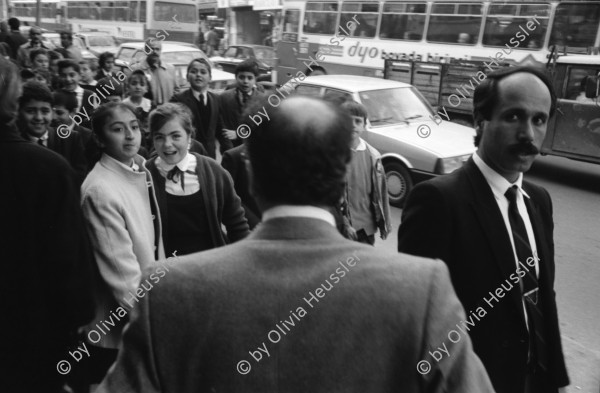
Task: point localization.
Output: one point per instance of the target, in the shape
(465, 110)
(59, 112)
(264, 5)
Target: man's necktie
(529, 283)
(42, 142)
(175, 173)
(201, 99)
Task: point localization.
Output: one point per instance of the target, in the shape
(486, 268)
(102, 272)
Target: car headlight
(450, 164)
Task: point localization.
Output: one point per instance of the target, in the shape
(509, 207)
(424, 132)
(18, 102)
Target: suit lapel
(486, 209)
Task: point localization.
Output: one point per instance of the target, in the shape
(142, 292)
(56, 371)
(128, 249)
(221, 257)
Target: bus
(126, 20)
(357, 36)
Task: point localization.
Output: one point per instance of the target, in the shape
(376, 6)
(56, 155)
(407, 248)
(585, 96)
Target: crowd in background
(143, 181)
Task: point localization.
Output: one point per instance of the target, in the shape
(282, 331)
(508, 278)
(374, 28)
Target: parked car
(235, 54)
(400, 126)
(177, 55)
(99, 42)
(54, 39)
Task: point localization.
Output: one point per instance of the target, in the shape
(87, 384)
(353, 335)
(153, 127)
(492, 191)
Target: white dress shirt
(186, 165)
(499, 185)
(197, 96)
(43, 138)
(298, 211)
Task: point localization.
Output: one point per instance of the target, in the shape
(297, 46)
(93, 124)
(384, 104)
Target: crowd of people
(135, 182)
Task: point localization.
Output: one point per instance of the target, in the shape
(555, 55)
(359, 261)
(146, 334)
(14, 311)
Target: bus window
(291, 26)
(121, 11)
(133, 11)
(455, 23)
(362, 15)
(143, 11)
(320, 18)
(165, 12)
(576, 83)
(504, 21)
(403, 21)
(575, 25)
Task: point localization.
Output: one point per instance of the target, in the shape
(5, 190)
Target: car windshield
(264, 54)
(392, 106)
(183, 57)
(101, 41)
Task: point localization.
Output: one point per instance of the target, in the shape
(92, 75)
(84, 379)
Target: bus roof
(579, 59)
(353, 83)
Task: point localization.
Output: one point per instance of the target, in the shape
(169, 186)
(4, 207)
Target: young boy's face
(358, 126)
(108, 64)
(246, 81)
(137, 87)
(41, 61)
(40, 78)
(69, 78)
(61, 115)
(86, 73)
(36, 117)
(198, 76)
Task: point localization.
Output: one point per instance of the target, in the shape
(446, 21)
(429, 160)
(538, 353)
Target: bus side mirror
(592, 87)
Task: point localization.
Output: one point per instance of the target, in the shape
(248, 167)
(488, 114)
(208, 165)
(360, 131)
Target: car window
(138, 56)
(392, 106)
(313, 91)
(230, 52)
(101, 41)
(338, 94)
(263, 54)
(125, 54)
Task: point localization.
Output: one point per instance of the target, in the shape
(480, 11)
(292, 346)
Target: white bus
(357, 36)
(133, 20)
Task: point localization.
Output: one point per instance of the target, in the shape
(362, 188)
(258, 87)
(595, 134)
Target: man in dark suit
(35, 116)
(203, 104)
(295, 307)
(495, 233)
(45, 293)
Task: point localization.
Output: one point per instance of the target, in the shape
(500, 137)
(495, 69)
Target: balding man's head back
(300, 155)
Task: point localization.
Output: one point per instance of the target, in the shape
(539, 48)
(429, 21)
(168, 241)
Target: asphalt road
(575, 190)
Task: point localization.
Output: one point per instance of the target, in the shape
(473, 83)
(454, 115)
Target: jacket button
(153, 217)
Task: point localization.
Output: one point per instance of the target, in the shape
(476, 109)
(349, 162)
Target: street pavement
(575, 191)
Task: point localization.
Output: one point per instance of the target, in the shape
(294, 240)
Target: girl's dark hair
(9, 90)
(104, 112)
(103, 57)
(167, 112)
(36, 52)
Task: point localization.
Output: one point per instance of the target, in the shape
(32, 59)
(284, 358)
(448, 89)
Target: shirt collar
(197, 95)
(361, 145)
(298, 211)
(497, 182)
(135, 167)
(35, 138)
(183, 165)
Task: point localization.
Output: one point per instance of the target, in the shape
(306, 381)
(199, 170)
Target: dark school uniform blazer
(71, 148)
(456, 218)
(231, 113)
(222, 204)
(328, 315)
(206, 136)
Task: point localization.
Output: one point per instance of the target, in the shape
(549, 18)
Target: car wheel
(399, 183)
